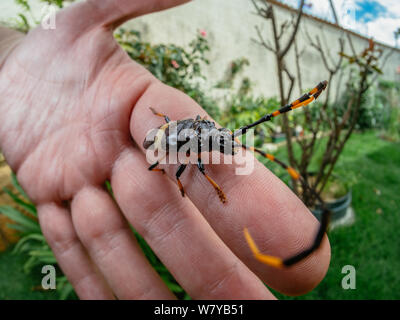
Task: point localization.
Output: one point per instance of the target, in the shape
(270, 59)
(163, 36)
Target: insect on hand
(200, 135)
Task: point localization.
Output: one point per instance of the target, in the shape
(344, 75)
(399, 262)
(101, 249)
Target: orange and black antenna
(301, 102)
(270, 260)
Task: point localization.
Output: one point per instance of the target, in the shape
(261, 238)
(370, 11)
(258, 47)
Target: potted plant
(337, 196)
(332, 117)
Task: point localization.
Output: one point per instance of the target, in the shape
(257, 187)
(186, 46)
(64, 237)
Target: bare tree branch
(334, 12)
(262, 42)
(294, 33)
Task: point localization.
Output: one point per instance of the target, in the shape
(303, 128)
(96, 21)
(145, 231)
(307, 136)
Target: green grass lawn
(371, 245)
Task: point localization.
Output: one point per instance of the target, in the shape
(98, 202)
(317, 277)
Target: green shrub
(376, 107)
(32, 242)
(173, 65)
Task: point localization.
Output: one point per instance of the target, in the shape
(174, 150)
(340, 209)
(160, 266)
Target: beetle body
(191, 136)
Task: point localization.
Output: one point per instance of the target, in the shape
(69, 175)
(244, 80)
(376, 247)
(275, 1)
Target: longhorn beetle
(180, 133)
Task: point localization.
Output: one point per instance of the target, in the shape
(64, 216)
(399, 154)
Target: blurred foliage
(372, 107)
(170, 63)
(173, 65)
(367, 61)
(26, 20)
(391, 117)
(234, 69)
(364, 68)
(379, 106)
(32, 242)
(242, 110)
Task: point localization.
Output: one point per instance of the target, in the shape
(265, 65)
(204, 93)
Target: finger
(280, 224)
(179, 235)
(56, 224)
(111, 244)
(112, 13)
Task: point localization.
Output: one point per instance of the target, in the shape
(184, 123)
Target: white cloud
(380, 27)
(383, 29)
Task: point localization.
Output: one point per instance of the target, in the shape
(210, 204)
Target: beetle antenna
(304, 100)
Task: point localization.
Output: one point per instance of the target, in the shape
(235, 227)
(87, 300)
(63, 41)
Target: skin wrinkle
(105, 242)
(31, 147)
(51, 216)
(81, 26)
(92, 235)
(17, 40)
(99, 66)
(120, 147)
(147, 293)
(139, 78)
(173, 229)
(51, 230)
(61, 242)
(157, 213)
(122, 14)
(43, 144)
(116, 111)
(220, 281)
(86, 277)
(17, 142)
(36, 79)
(98, 169)
(109, 240)
(81, 282)
(90, 115)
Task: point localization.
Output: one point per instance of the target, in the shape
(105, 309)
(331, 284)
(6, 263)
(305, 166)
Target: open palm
(74, 112)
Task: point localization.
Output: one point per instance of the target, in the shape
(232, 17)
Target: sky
(378, 19)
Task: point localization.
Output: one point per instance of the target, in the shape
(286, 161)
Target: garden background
(212, 51)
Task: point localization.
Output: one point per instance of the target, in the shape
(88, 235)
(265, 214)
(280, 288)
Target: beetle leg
(166, 118)
(153, 167)
(293, 173)
(181, 168)
(217, 188)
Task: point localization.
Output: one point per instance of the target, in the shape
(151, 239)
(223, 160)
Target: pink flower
(203, 33)
(398, 70)
(175, 64)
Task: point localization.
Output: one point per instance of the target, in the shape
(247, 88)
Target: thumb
(112, 13)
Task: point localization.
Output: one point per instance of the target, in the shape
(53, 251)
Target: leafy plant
(175, 66)
(32, 242)
(242, 110)
(26, 19)
(390, 95)
(234, 69)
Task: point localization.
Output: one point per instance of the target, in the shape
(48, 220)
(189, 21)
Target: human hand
(71, 103)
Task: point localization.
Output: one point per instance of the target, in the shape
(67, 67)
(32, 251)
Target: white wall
(230, 27)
